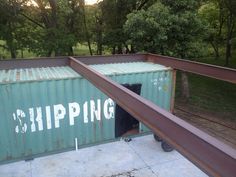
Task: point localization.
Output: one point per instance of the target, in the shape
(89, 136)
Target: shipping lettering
(54, 115)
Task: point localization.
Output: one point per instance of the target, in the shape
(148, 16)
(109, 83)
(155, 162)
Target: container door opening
(126, 124)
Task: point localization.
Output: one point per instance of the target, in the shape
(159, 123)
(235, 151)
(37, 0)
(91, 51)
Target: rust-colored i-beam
(209, 154)
(217, 72)
(213, 71)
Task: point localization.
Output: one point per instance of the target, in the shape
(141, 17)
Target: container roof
(65, 72)
(37, 74)
(128, 68)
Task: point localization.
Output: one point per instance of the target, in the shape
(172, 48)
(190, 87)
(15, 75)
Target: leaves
(161, 30)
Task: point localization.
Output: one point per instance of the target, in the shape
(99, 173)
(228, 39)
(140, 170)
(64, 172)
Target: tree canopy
(184, 28)
(167, 28)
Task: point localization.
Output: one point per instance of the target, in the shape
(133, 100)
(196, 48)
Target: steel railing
(209, 154)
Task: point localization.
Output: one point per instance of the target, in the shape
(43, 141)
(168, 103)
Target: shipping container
(54, 109)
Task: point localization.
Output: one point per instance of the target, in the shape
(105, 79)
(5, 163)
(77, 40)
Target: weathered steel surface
(112, 59)
(63, 61)
(209, 154)
(157, 81)
(38, 106)
(46, 113)
(33, 63)
(213, 71)
(36, 74)
(217, 72)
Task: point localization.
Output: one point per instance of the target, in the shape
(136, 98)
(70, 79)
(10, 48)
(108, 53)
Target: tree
(230, 27)
(221, 21)
(184, 33)
(48, 27)
(98, 31)
(169, 27)
(213, 14)
(85, 26)
(114, 15)
(10, 21)
(60, 20)
(147, 30)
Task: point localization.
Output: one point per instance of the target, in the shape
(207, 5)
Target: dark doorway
(125, 124)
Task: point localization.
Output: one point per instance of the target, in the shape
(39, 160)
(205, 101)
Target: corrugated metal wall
(156, 87)
(40, 117)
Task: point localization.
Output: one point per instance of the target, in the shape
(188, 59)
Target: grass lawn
(220, 61)
(79, 50)
(83, 49)
(209, 94)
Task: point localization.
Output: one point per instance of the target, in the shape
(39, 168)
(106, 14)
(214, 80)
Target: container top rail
(209, 154)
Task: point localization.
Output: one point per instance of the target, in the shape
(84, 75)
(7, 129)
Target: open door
(125, 124)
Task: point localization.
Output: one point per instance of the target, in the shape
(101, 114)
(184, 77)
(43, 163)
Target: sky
(90, 2)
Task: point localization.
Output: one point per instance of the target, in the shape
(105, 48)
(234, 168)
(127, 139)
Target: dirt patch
(218, 124)
(125, 174)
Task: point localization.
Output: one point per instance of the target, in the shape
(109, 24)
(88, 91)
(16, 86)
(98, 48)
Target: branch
(142, 4)
(32, 20)
(46, 20)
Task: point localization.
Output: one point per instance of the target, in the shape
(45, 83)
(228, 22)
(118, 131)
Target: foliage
(113, 15)
(221, 21)
(178, 28)
(62, 26)
(9, 23)
(168, 28)
(147, 29)
(50, 28)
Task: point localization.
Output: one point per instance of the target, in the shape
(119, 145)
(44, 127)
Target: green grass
(210, 94)
(79, 50)
(220, 61)
(83, 49)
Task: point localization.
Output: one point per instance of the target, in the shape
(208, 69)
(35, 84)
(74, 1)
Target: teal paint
(54, 106)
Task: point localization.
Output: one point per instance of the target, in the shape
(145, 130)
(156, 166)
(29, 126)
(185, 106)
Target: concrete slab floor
(141, 157)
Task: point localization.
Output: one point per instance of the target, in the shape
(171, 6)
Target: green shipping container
(48, 110)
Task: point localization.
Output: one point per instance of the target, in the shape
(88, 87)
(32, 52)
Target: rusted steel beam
(112, 59)
(172, 103)
(208, 153)
(62, 61)
(213, 71)
(33, 63)
(217, 72)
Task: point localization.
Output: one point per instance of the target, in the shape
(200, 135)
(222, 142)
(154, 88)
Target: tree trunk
(184, 86)
(228, 52)
(49, 53)
(99, 35)
(99, 41)
(119, 51)
(127, 49)
(230, 28)
(86, 28)
(99, 48)
(13, 53)
(113, 50)
(22, 53)
(70, 51)
(216, 50)
(56, 53)
(132, 49)
(12, 48)
(89, 44)
(162, 50)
